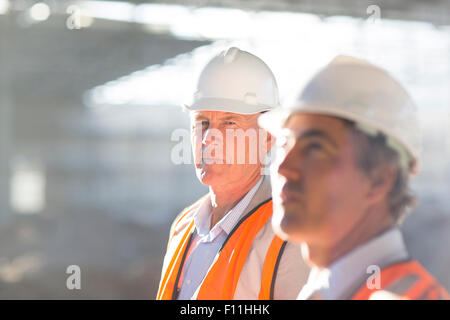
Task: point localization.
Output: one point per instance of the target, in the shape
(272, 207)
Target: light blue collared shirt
(344, 276)
(208, 242)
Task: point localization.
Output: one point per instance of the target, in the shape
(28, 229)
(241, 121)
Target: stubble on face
(212, 151)
(317, 180)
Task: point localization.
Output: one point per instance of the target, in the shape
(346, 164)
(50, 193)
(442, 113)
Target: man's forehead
(200, 114)
(300, 122)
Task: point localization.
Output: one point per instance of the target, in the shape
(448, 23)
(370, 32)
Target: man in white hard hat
(346, 148)
(223, 246)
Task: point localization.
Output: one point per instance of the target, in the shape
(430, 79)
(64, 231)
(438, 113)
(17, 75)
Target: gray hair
(373, 151)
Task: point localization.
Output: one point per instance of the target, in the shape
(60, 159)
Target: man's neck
(323, 255)
(224, 198)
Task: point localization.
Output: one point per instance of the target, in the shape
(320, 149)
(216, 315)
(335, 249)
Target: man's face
(318, 190)
(228, 147)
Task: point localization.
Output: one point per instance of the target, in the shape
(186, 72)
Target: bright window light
(39, 12)
(4, 6)
(27, 188)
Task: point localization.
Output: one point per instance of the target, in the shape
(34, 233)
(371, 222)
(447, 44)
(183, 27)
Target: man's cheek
(197, 150)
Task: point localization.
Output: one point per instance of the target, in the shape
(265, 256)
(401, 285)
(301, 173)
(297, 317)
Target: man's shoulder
(185, 216)
(402, 280)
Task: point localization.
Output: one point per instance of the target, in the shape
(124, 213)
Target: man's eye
(314, 146)
(230, 123)
(201, 124)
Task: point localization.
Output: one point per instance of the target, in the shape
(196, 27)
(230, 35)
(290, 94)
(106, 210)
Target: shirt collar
(344, 276)
(202, 218)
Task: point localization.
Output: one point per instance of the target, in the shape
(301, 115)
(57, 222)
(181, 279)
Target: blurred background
(90, 94)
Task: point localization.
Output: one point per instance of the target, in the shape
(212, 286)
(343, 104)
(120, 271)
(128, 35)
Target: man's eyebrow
(231, 117)
(315, 133)
(199, 117)
(224, 118)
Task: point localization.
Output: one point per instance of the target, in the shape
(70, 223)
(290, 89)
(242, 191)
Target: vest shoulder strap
(222, 277)
(406, 281)
(270, 268)
(171, 274)
(182, 220)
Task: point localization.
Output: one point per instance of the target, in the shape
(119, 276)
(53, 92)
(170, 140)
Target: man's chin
(278, 229)
(207, 176)
(287, 225)
(204, 178)
(280, 222)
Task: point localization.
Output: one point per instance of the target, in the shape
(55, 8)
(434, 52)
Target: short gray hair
(373, 151)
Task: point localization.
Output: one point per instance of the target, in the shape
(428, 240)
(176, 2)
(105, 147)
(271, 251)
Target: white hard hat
(235, 81)
(357, 90)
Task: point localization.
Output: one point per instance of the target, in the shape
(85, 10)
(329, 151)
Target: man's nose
(212, 136)
(289, 166)
(207, 137)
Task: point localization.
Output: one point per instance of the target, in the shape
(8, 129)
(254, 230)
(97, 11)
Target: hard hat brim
(274, 120)
(226, 105)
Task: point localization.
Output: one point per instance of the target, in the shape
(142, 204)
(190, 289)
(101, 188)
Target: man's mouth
(210, 160)
(289, 193)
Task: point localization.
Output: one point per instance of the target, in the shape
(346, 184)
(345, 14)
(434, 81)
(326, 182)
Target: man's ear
(381, 182)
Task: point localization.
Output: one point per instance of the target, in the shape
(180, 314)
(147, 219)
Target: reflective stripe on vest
(221, 279)
(270, 268)
(407, 281)
(165, 291)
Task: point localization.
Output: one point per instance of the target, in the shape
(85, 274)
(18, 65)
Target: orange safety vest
(408, 281)
(221, 279)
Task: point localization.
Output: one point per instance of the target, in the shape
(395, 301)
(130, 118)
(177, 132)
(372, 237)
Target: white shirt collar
(344, 276)
(202, 218)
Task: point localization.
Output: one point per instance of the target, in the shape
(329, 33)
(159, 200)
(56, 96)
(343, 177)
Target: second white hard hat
(235, 81)
(359, 91)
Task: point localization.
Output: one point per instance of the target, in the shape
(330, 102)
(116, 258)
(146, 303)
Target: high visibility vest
(222, 277)
(405, 281)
